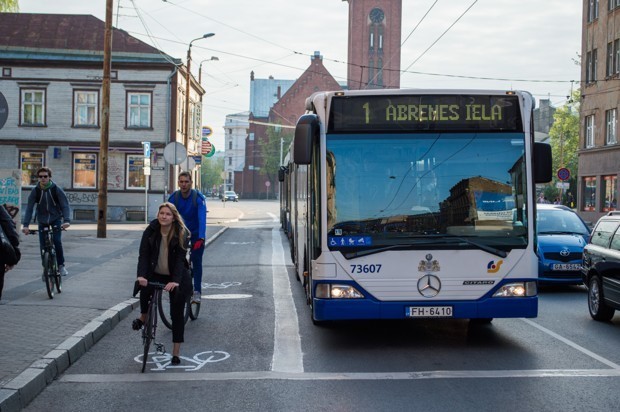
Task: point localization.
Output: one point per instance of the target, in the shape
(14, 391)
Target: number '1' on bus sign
(563, 173)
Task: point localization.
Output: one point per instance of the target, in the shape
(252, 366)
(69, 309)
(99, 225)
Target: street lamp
(187, 85)
(214, 58)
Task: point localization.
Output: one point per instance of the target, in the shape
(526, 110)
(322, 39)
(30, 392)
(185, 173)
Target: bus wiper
(481, 246)
(372, 251)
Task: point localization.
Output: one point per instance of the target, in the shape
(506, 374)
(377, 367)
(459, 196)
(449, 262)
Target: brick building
(599, 151)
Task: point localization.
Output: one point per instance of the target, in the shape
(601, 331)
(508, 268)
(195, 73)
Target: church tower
(374, 44)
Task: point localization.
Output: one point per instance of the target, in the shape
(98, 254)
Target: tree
(211, 172)
(9, 5)
(564, 136)
(276, 144)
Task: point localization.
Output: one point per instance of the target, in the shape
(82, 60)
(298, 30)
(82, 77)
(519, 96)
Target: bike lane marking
(287, 355)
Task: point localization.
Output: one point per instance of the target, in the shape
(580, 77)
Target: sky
(528, 45)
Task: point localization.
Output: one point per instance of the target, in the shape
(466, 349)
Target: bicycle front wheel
(194, 309)
(164, 310)
(148, 333)
(48, 274)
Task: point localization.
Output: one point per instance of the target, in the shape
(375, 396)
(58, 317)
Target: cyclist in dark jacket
(52, 209)
(163, 259)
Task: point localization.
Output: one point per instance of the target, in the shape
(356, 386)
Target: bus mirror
(307, 128)
(281, 172)
(543, 164)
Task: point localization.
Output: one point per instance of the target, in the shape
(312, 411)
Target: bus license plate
(430, 312)
(566, 266)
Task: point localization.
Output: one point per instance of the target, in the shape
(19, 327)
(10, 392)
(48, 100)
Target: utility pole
(102, 204)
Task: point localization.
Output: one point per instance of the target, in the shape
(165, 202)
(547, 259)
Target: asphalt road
(254, 348)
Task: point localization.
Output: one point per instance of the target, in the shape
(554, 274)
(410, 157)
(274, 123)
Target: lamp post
(214, 58)
(187, 86)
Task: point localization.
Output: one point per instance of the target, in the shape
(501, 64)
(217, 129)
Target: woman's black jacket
(177, 261)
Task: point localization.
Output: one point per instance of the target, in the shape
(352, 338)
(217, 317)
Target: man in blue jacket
(192, 205)
(52, 209)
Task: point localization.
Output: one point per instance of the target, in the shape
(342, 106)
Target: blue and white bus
(415, 204)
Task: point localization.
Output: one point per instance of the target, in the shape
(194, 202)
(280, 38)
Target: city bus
(405, 204)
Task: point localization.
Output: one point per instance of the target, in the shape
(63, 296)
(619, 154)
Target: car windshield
(556, 221)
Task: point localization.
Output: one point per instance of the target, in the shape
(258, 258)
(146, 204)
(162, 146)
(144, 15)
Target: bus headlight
(334, 291)
(516, 290)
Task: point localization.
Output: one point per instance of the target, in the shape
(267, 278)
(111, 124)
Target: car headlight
(516, 290)
(334, 291)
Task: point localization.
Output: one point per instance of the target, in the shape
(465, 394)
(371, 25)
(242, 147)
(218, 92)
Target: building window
(592, 10)
(7, 72)
(33, 107)
(86, 105)
(139, 110)
(611, 126)
(590, 131)
(135, 172)
(30, 162)
(589, 193)
(610, 193)
(230, 161)
(591, 63)
(84, 170)
(611, 4)
(616, 68)
(230, 144)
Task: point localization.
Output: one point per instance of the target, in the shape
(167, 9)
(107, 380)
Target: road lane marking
(572, 344)
(287, 356)
(338, 376)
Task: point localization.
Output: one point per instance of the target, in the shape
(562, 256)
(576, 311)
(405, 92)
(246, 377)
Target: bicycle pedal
(160, 348)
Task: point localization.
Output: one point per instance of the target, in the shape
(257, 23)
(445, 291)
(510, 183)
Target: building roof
(58, 34)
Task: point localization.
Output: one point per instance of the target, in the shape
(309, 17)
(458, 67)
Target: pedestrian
(52, 209)
(162, 258)
(192, 205)
(8, 227)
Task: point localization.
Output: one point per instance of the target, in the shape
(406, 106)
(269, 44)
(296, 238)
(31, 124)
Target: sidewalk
(42, 337)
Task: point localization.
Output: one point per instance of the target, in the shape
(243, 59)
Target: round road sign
(563, 173)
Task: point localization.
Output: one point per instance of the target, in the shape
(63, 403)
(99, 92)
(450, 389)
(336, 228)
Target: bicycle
(51, 272)
(150, 324)
(192, 308)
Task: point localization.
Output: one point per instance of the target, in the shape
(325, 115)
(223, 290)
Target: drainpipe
(167, 131)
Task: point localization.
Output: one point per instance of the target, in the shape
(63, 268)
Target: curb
(22, 389)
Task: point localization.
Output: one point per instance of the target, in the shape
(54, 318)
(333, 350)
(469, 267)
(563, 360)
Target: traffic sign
(563, 173)
(206, 131)
(212, 152)
(147, 149)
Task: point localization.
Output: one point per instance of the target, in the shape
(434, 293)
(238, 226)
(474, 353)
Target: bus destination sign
(425, 113)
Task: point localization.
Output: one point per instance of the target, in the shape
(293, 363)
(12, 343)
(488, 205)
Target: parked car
(562, 235)
(601, 267)
(230, 195)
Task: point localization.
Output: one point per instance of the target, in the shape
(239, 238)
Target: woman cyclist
(162, 259)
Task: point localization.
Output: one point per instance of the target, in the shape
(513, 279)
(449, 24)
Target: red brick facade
(251, 182)
(374, 44)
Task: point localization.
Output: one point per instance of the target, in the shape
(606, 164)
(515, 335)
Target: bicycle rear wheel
(164, 310)
(56, 277)
(48, 273)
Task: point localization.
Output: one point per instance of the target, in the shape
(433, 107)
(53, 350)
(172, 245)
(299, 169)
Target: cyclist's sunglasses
(43, 176)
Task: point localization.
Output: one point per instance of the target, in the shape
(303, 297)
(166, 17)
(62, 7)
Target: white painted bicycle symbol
(162, 361)
(223, 285)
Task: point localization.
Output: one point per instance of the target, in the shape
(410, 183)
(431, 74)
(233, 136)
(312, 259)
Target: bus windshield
(443, 190)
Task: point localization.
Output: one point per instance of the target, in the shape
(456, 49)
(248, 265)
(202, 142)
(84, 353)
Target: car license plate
(429, 312)
(566, 266)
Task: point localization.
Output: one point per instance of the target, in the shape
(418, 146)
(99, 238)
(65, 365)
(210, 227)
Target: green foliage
(272, 148)
(564, 137)
(9, 5)
(211, 172)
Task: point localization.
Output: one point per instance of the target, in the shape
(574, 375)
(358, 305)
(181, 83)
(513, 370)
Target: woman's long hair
(179, 230)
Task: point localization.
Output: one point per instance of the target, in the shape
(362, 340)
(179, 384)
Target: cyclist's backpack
(53, 190)
(177, 196)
